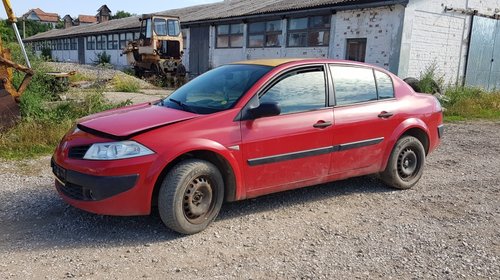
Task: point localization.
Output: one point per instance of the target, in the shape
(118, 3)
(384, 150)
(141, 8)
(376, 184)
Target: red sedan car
(243, 130)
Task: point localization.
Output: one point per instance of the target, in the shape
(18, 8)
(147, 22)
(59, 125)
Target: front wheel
(191, 196)
(406, 164)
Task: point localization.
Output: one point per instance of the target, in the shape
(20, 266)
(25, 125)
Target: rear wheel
(406, 164)
(191, 196)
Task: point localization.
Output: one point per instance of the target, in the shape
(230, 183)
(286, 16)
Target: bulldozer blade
(9, 110)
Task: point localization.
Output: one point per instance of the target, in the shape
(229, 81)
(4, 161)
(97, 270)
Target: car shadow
(43, 221)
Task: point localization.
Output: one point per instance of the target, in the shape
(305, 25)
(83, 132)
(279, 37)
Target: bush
(125, 84)
(464, 103)
(44, 122)
(429, 81)
(46, 54)
(102, 58)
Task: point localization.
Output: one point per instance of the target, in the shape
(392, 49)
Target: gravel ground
(447, 227)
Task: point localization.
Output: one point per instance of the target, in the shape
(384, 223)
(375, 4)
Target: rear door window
(353, 84)
(385, 87)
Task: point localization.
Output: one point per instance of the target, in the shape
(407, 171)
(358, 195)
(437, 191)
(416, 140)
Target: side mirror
(266, 109)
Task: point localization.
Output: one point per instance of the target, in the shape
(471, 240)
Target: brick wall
(432, 36)
(381, 28)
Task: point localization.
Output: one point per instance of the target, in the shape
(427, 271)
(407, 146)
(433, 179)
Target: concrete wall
(65, 55)
(381, 27)
(432, 36)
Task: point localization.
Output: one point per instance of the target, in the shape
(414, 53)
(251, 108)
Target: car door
(284, 150)
(366, 113)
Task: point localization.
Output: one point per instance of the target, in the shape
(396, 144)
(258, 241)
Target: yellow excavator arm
(9, 11)
(9, 94)
(6, 64)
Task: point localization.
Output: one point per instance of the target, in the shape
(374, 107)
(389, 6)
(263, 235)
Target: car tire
(191, 196)
(405, 165)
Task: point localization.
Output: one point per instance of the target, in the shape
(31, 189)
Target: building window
(112, 41)
(309, 31)
(66, 44)
(59, 45)
(264, 34)
(137, 35)
(230, 36)
(184, 39)
(100, 42)
(91, 43)
(73, 44)
(356, 49)
(125, 38)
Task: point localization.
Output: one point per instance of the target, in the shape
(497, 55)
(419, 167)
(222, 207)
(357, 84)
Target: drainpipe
(468, 47)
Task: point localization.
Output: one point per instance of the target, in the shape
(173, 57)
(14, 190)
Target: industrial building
(460, 37)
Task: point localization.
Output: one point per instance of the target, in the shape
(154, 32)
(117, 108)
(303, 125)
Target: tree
(121, 14)
(6, 31)
(33, 27)
(60, 24)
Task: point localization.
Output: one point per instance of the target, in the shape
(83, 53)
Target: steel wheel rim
(408, 164)
(198, 200)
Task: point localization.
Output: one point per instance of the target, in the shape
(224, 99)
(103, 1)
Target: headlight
(116, 150)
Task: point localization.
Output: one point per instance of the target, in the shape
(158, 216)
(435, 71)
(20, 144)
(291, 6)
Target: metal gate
(198, 50)
(483, 63)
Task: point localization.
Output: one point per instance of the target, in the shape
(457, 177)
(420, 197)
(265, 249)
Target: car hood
(132, 120)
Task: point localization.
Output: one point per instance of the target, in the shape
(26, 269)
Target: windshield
(216, 90)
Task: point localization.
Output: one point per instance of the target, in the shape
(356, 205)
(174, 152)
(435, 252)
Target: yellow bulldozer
(158, 50)
(10, 94)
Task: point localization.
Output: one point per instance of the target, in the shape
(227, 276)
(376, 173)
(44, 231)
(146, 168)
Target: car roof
(269, 62)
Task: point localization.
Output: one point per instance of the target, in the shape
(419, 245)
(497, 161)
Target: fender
(198, 144)
(398, 132)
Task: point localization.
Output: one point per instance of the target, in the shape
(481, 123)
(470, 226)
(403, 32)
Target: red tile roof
(86, 19)
(43, 16)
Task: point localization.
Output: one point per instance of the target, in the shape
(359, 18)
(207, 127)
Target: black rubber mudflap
(9, 110)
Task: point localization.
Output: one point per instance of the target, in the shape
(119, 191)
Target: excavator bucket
(9, 109)
(9, 94)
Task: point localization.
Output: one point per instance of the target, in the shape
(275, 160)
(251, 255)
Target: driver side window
(298, 91)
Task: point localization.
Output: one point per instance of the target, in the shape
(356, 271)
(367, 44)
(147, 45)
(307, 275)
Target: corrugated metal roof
(217, 11)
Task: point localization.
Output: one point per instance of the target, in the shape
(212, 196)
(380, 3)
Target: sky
(89, 7)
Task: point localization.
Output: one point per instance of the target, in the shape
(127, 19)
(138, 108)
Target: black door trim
(314, 152)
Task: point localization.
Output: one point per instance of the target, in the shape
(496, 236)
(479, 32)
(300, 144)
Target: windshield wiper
(182, 105)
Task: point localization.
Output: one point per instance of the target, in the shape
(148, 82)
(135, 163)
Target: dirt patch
(146, 95)
(447, 227)
(98, 73)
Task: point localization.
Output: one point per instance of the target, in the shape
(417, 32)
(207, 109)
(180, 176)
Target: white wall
(380, 26)
(65, 55)
(433, 36)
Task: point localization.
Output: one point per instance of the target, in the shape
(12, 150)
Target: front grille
(75, 192)
(78, 152)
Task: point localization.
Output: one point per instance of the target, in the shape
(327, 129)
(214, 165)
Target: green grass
(79, 77)
(123, 83)
(467, 103)
(45, 119)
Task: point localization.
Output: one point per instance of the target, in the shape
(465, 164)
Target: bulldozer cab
(162, 35)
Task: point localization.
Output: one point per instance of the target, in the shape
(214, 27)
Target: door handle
(322, 124)
(385, 115)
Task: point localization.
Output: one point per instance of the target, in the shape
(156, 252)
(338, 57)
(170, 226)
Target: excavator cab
(159, 48)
